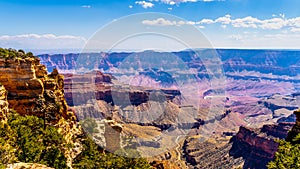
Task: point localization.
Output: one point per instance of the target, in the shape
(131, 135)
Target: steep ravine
(249, 148)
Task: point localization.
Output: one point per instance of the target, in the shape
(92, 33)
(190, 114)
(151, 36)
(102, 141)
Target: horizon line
(78, 51)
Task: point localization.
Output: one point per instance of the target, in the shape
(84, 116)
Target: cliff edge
(27, 88)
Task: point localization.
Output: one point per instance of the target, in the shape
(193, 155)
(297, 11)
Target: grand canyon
(232, 124)
(149, 84)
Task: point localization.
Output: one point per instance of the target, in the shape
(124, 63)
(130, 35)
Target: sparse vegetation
(12, 53)
(92, 158)
(24, 139)
(89, 125)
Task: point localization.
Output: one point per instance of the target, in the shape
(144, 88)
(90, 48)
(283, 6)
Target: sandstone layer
(3, 104)
(30, 90)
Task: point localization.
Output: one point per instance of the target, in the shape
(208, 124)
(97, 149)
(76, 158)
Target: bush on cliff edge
(287, 155)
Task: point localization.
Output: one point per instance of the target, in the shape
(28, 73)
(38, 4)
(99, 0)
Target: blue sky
(63, 24)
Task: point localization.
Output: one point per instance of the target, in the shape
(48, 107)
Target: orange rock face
(30, 90)
(3, 103)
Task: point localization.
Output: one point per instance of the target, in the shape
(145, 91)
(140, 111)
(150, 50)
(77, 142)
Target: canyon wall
(249, 148)
(3, 104)
(30, 90)
(263, 61)
(257, 147)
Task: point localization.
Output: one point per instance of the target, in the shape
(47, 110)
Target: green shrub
(287, 155)
(27, 140)
(92, 158)
(12, 53)
(24, 139)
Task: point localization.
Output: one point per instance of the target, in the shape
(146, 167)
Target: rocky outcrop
(21, 81)
(256, 150)
(3, 104)
(249, 148)
(30, 90)
(257, 147)
(108, 135)
(79, 88)
(96, 85)
(278, 131)
(209, 154)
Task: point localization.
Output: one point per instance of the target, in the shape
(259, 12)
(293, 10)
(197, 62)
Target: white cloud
(150, 3)
(173, 2)
(206, 21)
(274, 23)
(145, 4)
(45, 41)
(86, 6)
(190, 23)
(247, 22)
(130, 6)
(159, 22)
(294, 22)
(166, 22)
(224, 19)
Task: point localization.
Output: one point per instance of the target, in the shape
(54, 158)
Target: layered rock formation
(257, 147)
(254, 97)
(30, 90)
(278, 131)
(249, 148)
(96, 95)
(209, 154)
(3, 104)
(80, 88)
(264, 61)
